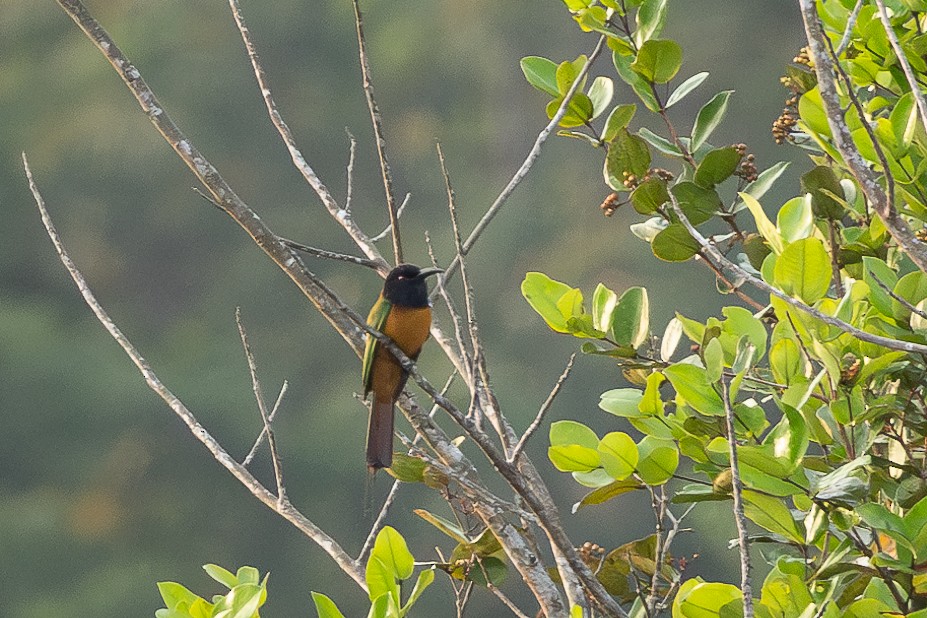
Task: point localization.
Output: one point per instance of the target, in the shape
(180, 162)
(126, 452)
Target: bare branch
(349, 188)
(712, 252)
(457, 350)
(273, 414)
(881, 202)
(341, 215)
(546, 406)
(737, 491)
(378, 133)
(848, 31)
(902, 301)
(389, 226)
(479, 374)
(528, 163)
(903, 60)
(283, 508)
(505, 600)
(330, 255)
(262, 408)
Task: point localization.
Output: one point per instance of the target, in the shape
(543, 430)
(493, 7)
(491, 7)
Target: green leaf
(874, 268)
(650, 20)
(578, 113)
(674, 244)
(607, 492)
(541, 73)
(904, 120)
(795, 219)
(600, 93)
(658, 60)
(392, 550)
(621, 402)
(425, 579)
(650, 195)
(803, 270)
(651, 404)
(709, 117)
(637, 83)
(248, 575)
(618, 455)
(717, 166)
(811, 111)
(822, 184)
(243, 601)
(763, 182)
(685, 88)
(913, 288)
(567, 72)
(573, 458)
(174, 594)
(786, 362)
(380, 579)
(603, 304)
(714, 360)
(572, 432)
(699, 599)
(658, 460)
(630, 321)
(661, 144)
(763, 225)
(544, 294)
(698, 203)
(770, 513)
(628, 155)
(325, 607)
(692, 384)
(449, 528)
(223, 576)
(618, 119)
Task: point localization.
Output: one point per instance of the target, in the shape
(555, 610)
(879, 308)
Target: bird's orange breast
(408, 327)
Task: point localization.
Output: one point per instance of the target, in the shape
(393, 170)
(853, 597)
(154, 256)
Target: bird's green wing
(376, 319)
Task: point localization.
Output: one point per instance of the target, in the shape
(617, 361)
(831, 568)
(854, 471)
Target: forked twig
(378, 133)
(270, 417)
(284, 508)
(389, 226)
(262, 408)
(544, 408)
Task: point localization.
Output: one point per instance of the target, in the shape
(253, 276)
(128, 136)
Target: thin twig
(284, 509)
(479, 373)
(270, 417)
(331, 255)
(378, 133)
(528, 163)
(544, 408)
(505, 600)
(718, 257)
(457, 351)
(903, 60)
(389, 226)
(737, 491)
(341, 215)
(848, 31)
(904, 302)
(262, 408)
(349, 172)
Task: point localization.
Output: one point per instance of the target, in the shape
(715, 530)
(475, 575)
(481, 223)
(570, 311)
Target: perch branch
(737, 491)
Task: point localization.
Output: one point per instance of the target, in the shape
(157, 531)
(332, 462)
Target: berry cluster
(747, 169)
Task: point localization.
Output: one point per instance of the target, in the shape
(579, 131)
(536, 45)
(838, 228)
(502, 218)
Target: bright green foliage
(389, 564)
(247, 593)
(829, 428)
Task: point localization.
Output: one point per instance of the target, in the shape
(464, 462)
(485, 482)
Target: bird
(403, 313)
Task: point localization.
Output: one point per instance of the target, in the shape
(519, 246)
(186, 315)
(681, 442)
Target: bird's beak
(427, 272)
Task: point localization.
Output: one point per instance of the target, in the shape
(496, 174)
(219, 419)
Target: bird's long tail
(380, 436)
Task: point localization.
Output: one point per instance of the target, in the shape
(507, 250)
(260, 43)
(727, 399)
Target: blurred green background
(103, 492)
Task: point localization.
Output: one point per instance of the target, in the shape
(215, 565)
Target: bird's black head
(406, 286)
